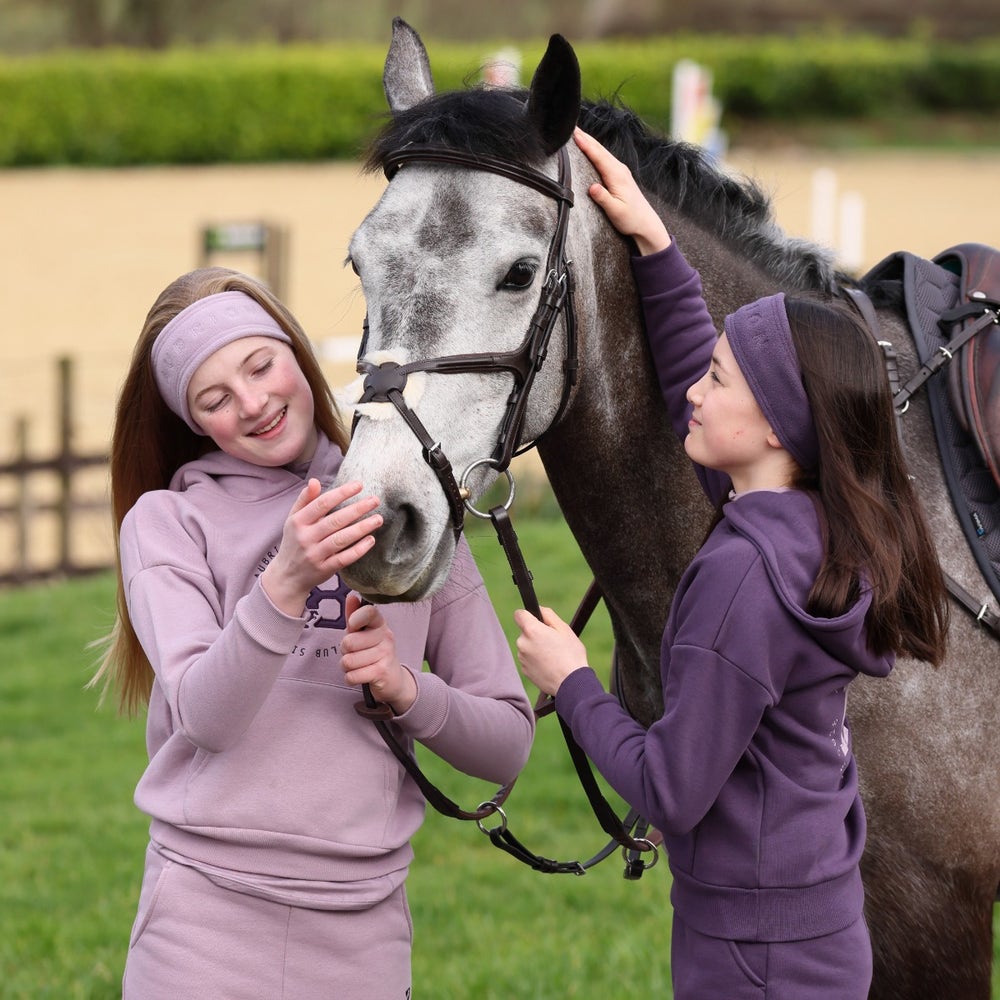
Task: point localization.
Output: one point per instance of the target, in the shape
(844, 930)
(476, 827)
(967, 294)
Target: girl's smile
(728, 430)
(253, 400)
(270, 426)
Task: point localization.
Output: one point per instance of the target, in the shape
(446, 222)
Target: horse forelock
(488, 121)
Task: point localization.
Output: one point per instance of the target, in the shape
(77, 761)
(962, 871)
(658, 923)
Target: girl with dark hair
(819, 566)
(280, 822)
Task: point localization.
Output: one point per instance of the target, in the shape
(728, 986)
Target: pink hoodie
(259, 768)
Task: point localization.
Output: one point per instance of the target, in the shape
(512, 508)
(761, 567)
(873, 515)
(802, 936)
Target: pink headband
(196, 333)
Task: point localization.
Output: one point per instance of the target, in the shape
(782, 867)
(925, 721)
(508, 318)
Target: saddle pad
(930, 290)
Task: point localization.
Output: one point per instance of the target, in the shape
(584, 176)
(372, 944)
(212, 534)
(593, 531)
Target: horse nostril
(401, 526)
(409, 519)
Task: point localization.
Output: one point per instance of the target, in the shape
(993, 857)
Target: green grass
(71, 841)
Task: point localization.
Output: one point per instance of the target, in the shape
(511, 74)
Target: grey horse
(451, 260)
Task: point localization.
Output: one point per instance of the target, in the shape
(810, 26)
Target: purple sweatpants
(193, 939)
(837, 965)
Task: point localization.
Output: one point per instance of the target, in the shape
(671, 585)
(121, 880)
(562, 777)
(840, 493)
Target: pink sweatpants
(193, 939)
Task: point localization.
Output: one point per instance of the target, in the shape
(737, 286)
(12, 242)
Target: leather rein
(385, 383)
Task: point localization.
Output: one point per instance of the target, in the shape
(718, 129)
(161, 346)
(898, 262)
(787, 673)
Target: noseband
(385, 383)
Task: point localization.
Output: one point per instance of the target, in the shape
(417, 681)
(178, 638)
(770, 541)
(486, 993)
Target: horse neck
(620, 476)
(614, 440)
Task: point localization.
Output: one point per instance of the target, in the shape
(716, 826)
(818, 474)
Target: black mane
(680, 175)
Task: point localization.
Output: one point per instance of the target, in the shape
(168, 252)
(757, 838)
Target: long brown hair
(876, 531)
(149, 444)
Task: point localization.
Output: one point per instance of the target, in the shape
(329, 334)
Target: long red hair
(149, 444)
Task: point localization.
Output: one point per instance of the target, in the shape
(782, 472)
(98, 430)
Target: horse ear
(554, 96)
(407, 76)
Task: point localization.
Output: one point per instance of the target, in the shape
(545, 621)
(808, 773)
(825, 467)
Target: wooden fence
(55, 514)
(47, 490)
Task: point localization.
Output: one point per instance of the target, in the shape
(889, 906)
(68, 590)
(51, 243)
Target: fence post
(26, 505)
(276, 260)
(64, 461)
(22, 512)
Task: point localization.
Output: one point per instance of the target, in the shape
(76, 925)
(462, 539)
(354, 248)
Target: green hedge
(314, 102)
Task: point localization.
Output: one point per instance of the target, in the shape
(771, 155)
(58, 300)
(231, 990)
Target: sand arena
(85, 252)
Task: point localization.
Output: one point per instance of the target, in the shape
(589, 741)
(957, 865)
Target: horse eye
(354, 266)
(521, 275)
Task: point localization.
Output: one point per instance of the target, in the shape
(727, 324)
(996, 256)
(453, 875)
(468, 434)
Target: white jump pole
(852, 230)
(823, 208)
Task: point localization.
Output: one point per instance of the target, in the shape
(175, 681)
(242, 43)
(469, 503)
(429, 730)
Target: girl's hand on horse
(319, 539)
(549, 650)
(619, 196)
(368, 656)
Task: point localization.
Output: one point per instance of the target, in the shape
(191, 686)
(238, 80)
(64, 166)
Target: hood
(241, 480)
(783, 527)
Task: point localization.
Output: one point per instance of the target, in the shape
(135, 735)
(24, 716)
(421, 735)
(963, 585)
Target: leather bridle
(384, 383)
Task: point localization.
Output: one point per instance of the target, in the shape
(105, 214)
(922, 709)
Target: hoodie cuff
(270, 628)
(579, 686)
(665, 269)
(426, 717)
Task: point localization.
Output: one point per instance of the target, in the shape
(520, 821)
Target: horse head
(456, 260)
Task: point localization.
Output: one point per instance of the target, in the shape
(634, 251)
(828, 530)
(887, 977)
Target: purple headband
(196, 333)
(761, 341)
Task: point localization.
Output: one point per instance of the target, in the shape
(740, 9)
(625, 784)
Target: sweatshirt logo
(325, 606)
(840, 735)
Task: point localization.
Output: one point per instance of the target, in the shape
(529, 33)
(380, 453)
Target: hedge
(124, 107)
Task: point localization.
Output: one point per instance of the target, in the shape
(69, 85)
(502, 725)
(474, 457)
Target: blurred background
(35, 25)
(142, 138)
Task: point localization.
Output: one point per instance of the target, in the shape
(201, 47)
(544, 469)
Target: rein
(386, 382)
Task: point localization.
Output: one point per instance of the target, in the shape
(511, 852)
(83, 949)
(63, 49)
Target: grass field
(71, 842)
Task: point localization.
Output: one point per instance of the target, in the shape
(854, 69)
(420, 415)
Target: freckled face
(728, 430)
(253, 400)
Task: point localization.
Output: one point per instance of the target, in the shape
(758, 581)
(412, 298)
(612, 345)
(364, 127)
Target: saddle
(951, 305)
(974, 374)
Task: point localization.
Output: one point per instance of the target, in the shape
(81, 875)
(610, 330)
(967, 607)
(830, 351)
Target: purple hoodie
(749, 773)
(260, 771)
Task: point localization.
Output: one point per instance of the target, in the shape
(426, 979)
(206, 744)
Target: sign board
(267, 240)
